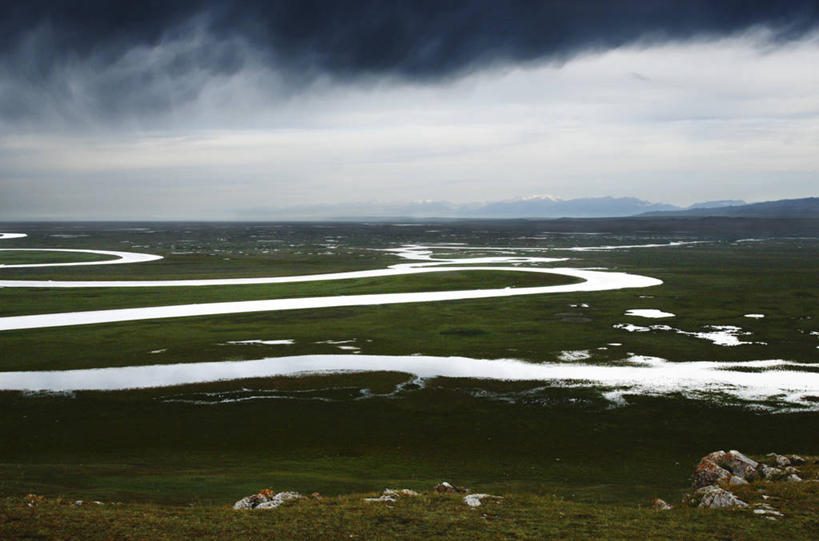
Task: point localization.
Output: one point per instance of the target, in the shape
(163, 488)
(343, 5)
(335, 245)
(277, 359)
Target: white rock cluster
(391, 495)
(475, 500)
(266, 499)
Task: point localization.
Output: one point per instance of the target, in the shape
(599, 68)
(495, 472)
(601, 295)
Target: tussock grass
(428, 516)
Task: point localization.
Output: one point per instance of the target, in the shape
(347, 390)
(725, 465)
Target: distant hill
(551, 207)
(715, 204)
(538, 206)
(807, 207)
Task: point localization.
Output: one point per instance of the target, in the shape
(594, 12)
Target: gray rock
(793, 478)
(767, 512)
(739, 464)
(447, 488)
(407, 492)
(391, 495)
(278, 499)
(265, 499)
(779, 460)
(382, 498)
(82, 502)
(475, 500)
(246, 503)
(714, 497)
(765, 509)
(709, 472)
(796, 460)
(770, 473)
(719, 467)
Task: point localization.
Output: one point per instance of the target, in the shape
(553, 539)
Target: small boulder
(740, 465)
(660, 505)
(475, 500)
(391, 495)
(383, 498)
(252, 501)
(714, 497)
(279, 499)
(709, 473)
(79, 503)
(779, 460)
(793, 478)
(248, 502)
(719, 467)
(265, 499)
(734, 480)
(796, 460)
(446, 488)
(769, 473)
(767, 512)
(716, 457)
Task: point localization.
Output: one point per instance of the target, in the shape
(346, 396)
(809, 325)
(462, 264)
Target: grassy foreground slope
(518, 517)
(214, 443)
(428, 516)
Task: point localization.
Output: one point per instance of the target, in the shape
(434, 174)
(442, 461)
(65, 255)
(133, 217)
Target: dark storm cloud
(114, 58)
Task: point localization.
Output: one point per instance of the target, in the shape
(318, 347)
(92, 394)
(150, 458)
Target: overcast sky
(201, 109)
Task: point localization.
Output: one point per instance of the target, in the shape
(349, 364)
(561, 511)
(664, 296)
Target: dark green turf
(147, 445)
(39, 258)
(492, 436)
(19, 301)
(705, 284)
(426, 516)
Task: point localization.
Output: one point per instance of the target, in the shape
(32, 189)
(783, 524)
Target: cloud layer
(117, 59)
(206, 109)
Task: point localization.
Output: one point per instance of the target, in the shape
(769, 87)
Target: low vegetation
(426, 516)
(170, 462)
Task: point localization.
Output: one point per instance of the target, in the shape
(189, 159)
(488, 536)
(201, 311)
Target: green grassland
(32, 257)
(47, 300)
(569, 463)
(713, 283)
(318, 434)
(428, 516)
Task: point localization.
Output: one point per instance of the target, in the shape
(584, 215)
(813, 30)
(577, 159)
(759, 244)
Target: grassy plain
(47, 300)
(429, 516)
(556, 452)
(33, 257)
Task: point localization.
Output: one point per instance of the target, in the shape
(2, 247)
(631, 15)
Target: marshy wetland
(592, 361)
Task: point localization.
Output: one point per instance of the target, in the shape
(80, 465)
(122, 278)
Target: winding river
(789, 384)
(591, 280)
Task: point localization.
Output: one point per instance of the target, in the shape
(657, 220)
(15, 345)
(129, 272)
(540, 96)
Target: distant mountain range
(542, 206)
(797, 208)
(550, 207)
